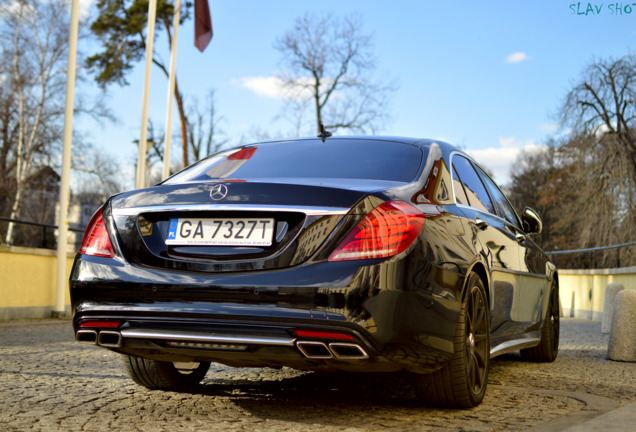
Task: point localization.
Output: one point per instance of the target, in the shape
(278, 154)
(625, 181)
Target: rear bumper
(374, 318)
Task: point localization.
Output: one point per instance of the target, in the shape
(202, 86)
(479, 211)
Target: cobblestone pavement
(49, 382)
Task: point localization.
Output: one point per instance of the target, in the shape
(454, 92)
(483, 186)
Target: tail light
(96, 241)
(388, 230)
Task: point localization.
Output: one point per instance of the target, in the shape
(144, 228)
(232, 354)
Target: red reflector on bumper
(100, 324)
(323, 334)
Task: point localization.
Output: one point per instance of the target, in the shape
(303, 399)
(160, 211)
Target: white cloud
(499, 160)
(274, 87)
(14, 7)
(548, 127)
(271, 87)
(85, 8)
(517, 57)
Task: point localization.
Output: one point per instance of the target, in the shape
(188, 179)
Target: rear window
(335, 158)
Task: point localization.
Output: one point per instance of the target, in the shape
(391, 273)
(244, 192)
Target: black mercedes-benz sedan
(353, 253)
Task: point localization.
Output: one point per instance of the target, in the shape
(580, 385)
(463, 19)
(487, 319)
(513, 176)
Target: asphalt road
(49, 382)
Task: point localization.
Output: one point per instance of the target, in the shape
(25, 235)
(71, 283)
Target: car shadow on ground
(395, 388)
(320, 387)
(363, 400)
(335, 399)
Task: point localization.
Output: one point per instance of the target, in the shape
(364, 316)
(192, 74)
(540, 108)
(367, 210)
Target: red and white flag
(202, 24)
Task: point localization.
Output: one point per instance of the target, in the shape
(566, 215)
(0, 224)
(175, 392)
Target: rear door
(497, 240)
(532, 289)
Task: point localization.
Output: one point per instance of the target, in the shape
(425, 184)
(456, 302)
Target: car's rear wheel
(548, 348)
(161, 375)
(461, 383)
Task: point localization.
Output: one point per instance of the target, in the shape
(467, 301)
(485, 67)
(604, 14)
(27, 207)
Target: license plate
(221, 232)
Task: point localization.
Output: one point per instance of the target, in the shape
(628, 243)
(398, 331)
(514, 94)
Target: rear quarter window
(473, 186)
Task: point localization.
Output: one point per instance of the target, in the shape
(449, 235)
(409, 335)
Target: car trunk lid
(303, 218)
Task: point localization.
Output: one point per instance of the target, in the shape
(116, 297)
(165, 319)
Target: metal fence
(614, 256)
(594, 249)
(45, 237)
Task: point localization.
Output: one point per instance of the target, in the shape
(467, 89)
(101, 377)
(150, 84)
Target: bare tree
(34, 38)
(603, 104)
(328, 62)
(97, 173)
(585, 183)
(204, 133)
(601, 110)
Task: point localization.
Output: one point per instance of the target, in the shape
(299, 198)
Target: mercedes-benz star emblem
(218, 192)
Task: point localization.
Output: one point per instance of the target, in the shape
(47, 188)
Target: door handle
(480, 223)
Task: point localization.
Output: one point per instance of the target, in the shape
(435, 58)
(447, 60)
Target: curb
(621, 419)
(599, 414)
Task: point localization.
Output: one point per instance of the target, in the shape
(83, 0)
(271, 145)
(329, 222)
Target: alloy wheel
(477, 343)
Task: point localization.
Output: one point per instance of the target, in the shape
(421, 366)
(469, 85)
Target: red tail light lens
(96, 241)
(388, 230)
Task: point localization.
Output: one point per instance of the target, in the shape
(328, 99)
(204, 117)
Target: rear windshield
(335, 158)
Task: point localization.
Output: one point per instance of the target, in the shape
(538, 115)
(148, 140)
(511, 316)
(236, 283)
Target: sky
(486, 76)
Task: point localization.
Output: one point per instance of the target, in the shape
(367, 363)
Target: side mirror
(531, 221)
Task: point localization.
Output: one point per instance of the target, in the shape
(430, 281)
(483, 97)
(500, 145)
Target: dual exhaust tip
(104, 338)
(337, 350)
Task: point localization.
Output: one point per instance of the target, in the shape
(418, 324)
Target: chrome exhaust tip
(89, 336)
(314, 350)
(110, 339)
(348, 351)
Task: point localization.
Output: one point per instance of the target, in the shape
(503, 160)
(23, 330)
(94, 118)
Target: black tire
(462, 382)
(548, 348)
(161, 375)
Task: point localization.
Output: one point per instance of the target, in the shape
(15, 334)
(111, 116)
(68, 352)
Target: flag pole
(171, 81)
(65, 180)
(143, 136)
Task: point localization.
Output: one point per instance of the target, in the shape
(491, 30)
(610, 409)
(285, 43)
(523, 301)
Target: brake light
(388, 230)
(243, 154)
(96, 241)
